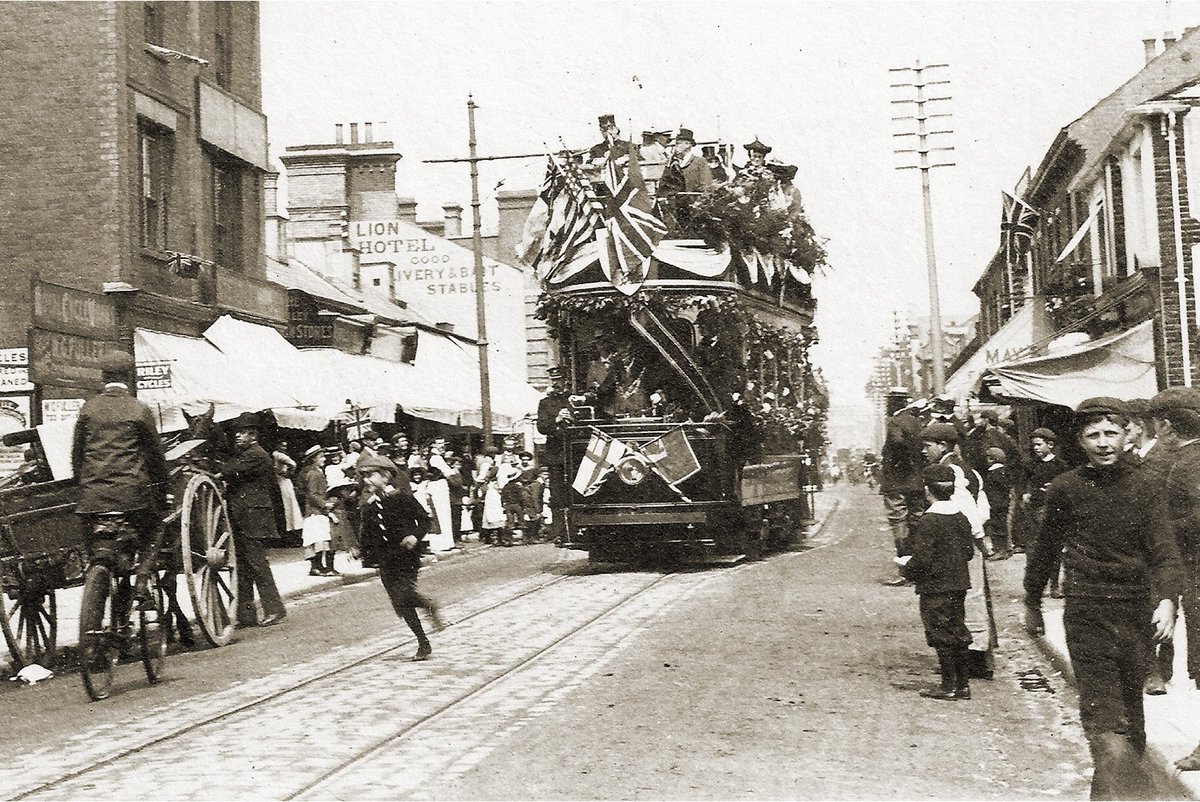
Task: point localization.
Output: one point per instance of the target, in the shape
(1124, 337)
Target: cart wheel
(30, 624)
(152, 639)
(209, 558)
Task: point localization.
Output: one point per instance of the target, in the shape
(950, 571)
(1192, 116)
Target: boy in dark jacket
(942, 547)
(997, 486)
(393, 527)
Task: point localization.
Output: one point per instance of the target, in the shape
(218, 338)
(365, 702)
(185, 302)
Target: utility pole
(485, 386)
(919, 78)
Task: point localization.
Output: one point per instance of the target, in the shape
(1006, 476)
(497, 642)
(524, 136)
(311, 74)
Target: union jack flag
(631, 232)
(1016, 226)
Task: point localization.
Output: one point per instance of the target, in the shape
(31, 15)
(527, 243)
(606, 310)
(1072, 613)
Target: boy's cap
(938, 474)
(375, 462)
(1102, 405)
(1044, 433)
(996, 454)
(940, 433)
(990, 416)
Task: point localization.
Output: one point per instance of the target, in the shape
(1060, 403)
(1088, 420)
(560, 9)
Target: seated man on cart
(121, 468)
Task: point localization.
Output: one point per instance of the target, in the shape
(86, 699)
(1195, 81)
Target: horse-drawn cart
(43, 549)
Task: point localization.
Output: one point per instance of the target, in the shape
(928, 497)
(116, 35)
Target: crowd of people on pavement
(1117, 536)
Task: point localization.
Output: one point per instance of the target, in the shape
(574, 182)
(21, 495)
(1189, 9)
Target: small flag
(602, 455)
(1016, 226)
(671, 457)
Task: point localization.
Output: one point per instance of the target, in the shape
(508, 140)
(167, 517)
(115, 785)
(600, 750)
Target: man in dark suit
(553, 414)
(118, 459)
(249, 476)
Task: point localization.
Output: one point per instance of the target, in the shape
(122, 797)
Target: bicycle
(106, 631)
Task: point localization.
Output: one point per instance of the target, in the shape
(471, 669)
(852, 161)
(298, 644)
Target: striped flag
(1016, 226)
(602, 455)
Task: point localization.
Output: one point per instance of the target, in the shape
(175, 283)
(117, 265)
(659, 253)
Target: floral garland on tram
(761, 372)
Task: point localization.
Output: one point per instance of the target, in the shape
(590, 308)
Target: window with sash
(156, 146)
(227, 213)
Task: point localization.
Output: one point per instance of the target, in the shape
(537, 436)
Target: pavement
(1172, 720)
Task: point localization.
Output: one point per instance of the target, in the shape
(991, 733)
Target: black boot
(949, 668)
(329, 569)
(314, 565)
(962, 675)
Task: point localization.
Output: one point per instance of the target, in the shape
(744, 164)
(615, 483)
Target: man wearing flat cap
(553, 414)
(900, 474)
(1123, 574)
(118, 459)
(249, 477)
(940, 444)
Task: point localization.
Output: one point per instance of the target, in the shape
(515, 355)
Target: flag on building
(671, 457)
(602, 455)
(1016, 226)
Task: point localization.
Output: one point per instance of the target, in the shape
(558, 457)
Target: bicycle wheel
(98, 651)
(152, 641)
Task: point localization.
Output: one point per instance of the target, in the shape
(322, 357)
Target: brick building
(133, 154)
(1103, 299)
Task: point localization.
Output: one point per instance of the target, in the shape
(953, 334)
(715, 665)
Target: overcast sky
(811, 79)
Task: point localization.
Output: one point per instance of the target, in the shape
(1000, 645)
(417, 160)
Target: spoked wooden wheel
(152, 638)
(209, 558)
(30, 622)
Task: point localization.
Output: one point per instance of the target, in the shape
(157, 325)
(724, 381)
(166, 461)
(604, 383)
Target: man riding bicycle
(122, 471)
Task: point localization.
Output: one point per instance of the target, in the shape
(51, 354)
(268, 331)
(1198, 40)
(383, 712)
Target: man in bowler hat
(118, 459)
(249, 476)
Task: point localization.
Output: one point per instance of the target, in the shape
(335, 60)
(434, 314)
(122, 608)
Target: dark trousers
(559, 498)
(255, 572)
(456, 522)
(1105, 638)
(904, 508)
(400, 583)
(1191, 615)
(944, 617)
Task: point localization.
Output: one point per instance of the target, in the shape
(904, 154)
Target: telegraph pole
(485, 386)
(920, 77)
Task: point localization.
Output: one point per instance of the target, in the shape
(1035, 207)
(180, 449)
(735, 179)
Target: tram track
(264, 699)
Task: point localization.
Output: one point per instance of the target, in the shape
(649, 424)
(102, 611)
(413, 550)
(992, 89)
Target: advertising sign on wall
(14, 416)
(14, 370)
(65, 360)
(60, 410)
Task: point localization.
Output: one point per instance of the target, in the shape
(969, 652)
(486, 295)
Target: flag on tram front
(602, 455)
(671, 457)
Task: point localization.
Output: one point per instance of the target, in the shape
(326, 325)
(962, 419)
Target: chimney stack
(275, 241)
(1169, 38)
(452, 220)
(367, 132)
(1150, 46)
(337, 133)
(353, 133)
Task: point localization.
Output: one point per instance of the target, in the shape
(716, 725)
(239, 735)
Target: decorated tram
(680, 299)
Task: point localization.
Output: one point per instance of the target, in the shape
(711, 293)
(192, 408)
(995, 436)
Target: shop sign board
(154, 375)
(66, 360)
(254, 296)
(307, 328)
(14, 370)
(72, 311)
(60, 410)
(14, 417)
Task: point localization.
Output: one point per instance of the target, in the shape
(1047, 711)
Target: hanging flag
(1016, 226)
(602, 455)
(1082, 232)
(633, 229)
(671, 457)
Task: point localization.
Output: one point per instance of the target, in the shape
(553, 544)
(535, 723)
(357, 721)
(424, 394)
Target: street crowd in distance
(1105, 510)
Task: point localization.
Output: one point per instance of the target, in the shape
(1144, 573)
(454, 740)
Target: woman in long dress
(285, 466)
(494, 518)
(438, 489)
(315, 534)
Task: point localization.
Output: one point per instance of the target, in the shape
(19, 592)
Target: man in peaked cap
(900, 474)
(249, 477)
(119, 461)
(553, 414)
(1123, 576)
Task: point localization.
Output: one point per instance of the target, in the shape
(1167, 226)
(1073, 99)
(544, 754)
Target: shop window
(156, 147)
(223, 43)
(227, 213)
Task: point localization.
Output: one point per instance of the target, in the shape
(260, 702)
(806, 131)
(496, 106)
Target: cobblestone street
(791, 677)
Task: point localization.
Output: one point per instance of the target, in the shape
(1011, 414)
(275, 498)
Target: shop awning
(1119, 365)
(188, 374)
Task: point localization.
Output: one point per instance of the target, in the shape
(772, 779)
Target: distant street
(792, 677)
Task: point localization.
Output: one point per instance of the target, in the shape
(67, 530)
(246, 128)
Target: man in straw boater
(119, 461)
(392, 536)
(1123, 575)
(249, 477)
